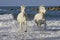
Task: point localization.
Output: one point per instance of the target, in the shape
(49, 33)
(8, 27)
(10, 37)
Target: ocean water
(9, 26)
(30, 10)
(52, 16)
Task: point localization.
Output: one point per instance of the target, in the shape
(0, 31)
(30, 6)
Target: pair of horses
(39, 18)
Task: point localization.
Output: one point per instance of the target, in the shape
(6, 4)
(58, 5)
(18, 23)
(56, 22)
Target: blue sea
(30, 10)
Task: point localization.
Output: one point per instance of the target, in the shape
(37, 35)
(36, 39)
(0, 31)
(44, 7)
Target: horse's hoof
(25, 31)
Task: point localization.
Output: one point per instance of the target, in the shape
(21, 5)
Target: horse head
(42, 9)
(22, 8)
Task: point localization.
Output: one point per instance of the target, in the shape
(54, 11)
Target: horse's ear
(22, 6)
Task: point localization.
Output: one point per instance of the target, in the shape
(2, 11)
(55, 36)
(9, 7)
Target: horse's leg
(25, 26)
(44, 25)
(39, 25)
(20, 26)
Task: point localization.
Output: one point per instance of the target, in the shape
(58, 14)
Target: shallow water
(9, 30)
(9, 26)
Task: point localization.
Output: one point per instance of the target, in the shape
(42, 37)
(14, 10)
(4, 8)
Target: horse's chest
(39, 17)
(21, 18)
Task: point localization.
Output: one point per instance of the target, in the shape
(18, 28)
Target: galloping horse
(22, 19)
(40, 17)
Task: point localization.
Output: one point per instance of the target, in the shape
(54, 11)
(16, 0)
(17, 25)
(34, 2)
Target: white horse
(22, 19)
(40, 17)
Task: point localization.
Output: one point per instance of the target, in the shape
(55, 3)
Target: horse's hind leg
(44, 25)
(39, 25)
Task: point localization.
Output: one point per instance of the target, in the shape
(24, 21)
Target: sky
(29, 2)
(9, 2)
(40, 2)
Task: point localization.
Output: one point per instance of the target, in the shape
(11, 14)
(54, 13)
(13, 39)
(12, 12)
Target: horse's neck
(22, 13)
(43, 15)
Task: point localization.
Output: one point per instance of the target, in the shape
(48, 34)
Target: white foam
(6, 17)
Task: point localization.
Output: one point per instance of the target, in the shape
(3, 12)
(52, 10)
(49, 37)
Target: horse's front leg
(20, 26)
(25, 26)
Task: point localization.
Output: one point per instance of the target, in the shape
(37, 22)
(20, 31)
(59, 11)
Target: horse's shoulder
(18, 16)
(37, 14)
